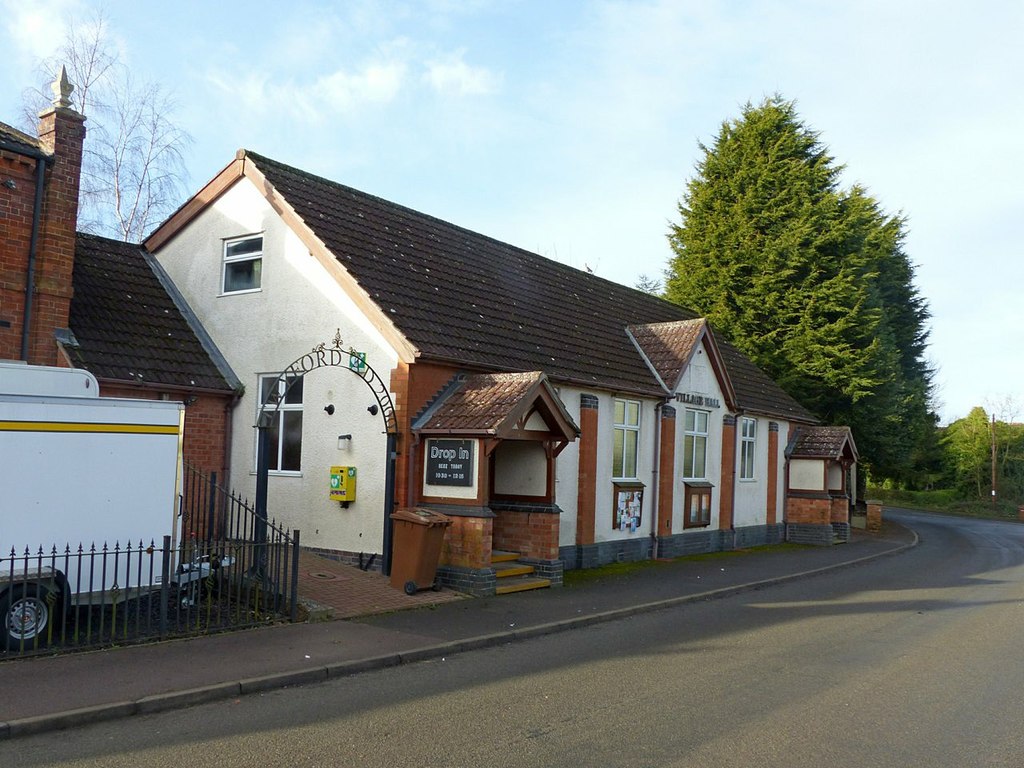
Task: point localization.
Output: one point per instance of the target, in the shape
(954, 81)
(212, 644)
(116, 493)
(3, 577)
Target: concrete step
(521, 584)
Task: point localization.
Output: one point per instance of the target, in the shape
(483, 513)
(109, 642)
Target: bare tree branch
(133, 168)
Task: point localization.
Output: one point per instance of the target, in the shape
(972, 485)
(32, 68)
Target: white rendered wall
(751, 496)
(699, 379)
(520, 468)
(298, 306)
(807, 475)
(835, 477)
(605, 496)
(567, 467)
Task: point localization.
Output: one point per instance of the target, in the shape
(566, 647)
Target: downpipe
(30, 276)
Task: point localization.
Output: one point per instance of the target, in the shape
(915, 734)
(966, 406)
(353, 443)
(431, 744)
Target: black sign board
(450, 462)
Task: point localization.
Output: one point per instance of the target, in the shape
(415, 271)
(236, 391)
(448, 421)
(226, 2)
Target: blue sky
(570, 128)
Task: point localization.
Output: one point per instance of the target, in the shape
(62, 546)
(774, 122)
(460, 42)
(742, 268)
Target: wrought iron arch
(333, 356)
(327, 356)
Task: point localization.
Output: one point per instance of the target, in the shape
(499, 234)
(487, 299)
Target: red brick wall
(412, 387)
(586, 488)
(840, 510)
(467, 543)
(205, 424)
(531, 534)
(874, 521)
(810, 511)
(15, 235)
(666, 470)
(725, 498)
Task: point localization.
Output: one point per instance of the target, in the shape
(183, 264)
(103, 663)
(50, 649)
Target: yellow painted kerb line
(63, 426)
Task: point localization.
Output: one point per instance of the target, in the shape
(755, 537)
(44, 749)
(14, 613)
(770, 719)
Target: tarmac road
(902, 661)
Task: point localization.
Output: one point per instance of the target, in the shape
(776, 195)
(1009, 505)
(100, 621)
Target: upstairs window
(748, 440)
(695, 444)
(284, 438)
(626, 438)
(243, 264)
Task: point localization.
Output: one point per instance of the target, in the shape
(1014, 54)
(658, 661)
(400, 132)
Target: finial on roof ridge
(62, 89)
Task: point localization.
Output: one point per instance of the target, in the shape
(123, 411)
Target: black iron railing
(227, 571)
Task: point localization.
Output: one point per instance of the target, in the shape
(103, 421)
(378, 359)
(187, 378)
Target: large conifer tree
(809, 280)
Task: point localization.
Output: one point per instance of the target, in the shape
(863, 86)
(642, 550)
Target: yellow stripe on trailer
(85, 427)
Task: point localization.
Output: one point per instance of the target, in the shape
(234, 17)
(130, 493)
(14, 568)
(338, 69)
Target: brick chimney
(61, 134)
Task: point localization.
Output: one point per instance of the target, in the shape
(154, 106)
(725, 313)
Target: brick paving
(348, 591)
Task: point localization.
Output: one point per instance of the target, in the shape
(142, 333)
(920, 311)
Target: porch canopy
(826, 443)
(500, 406)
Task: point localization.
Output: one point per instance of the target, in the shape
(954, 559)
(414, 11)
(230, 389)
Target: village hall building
(547, 412)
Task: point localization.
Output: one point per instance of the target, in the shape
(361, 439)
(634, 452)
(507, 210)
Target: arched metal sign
(327, 356)
(333, 356)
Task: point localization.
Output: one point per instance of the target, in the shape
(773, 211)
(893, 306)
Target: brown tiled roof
(669, 346)
(459, 296)
(485, 403)
(822, 443)
(128, 326)
(18, 141)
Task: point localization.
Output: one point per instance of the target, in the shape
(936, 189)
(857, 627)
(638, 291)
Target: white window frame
(284, 414)
(227, 261)
(695, 441)
(625, 429)
(748, 448)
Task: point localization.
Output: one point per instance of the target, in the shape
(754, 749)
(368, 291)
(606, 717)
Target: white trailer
(77, 469)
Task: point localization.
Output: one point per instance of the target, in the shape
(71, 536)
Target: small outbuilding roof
(815, 442)
(131, 325)
(498, 405)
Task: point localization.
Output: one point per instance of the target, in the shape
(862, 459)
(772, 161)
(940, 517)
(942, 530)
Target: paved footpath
(52, 692)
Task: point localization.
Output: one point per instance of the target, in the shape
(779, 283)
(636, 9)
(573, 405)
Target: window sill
(222, 294)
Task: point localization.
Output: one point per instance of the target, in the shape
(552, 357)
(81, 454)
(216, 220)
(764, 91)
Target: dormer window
(243, 264)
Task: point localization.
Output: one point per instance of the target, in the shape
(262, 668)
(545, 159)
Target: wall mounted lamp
(372, 410)
(329, 408)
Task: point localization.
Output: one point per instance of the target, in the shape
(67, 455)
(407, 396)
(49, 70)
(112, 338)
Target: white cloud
(37, 29)
(338, 92)
(453, 75)
(374, 83)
